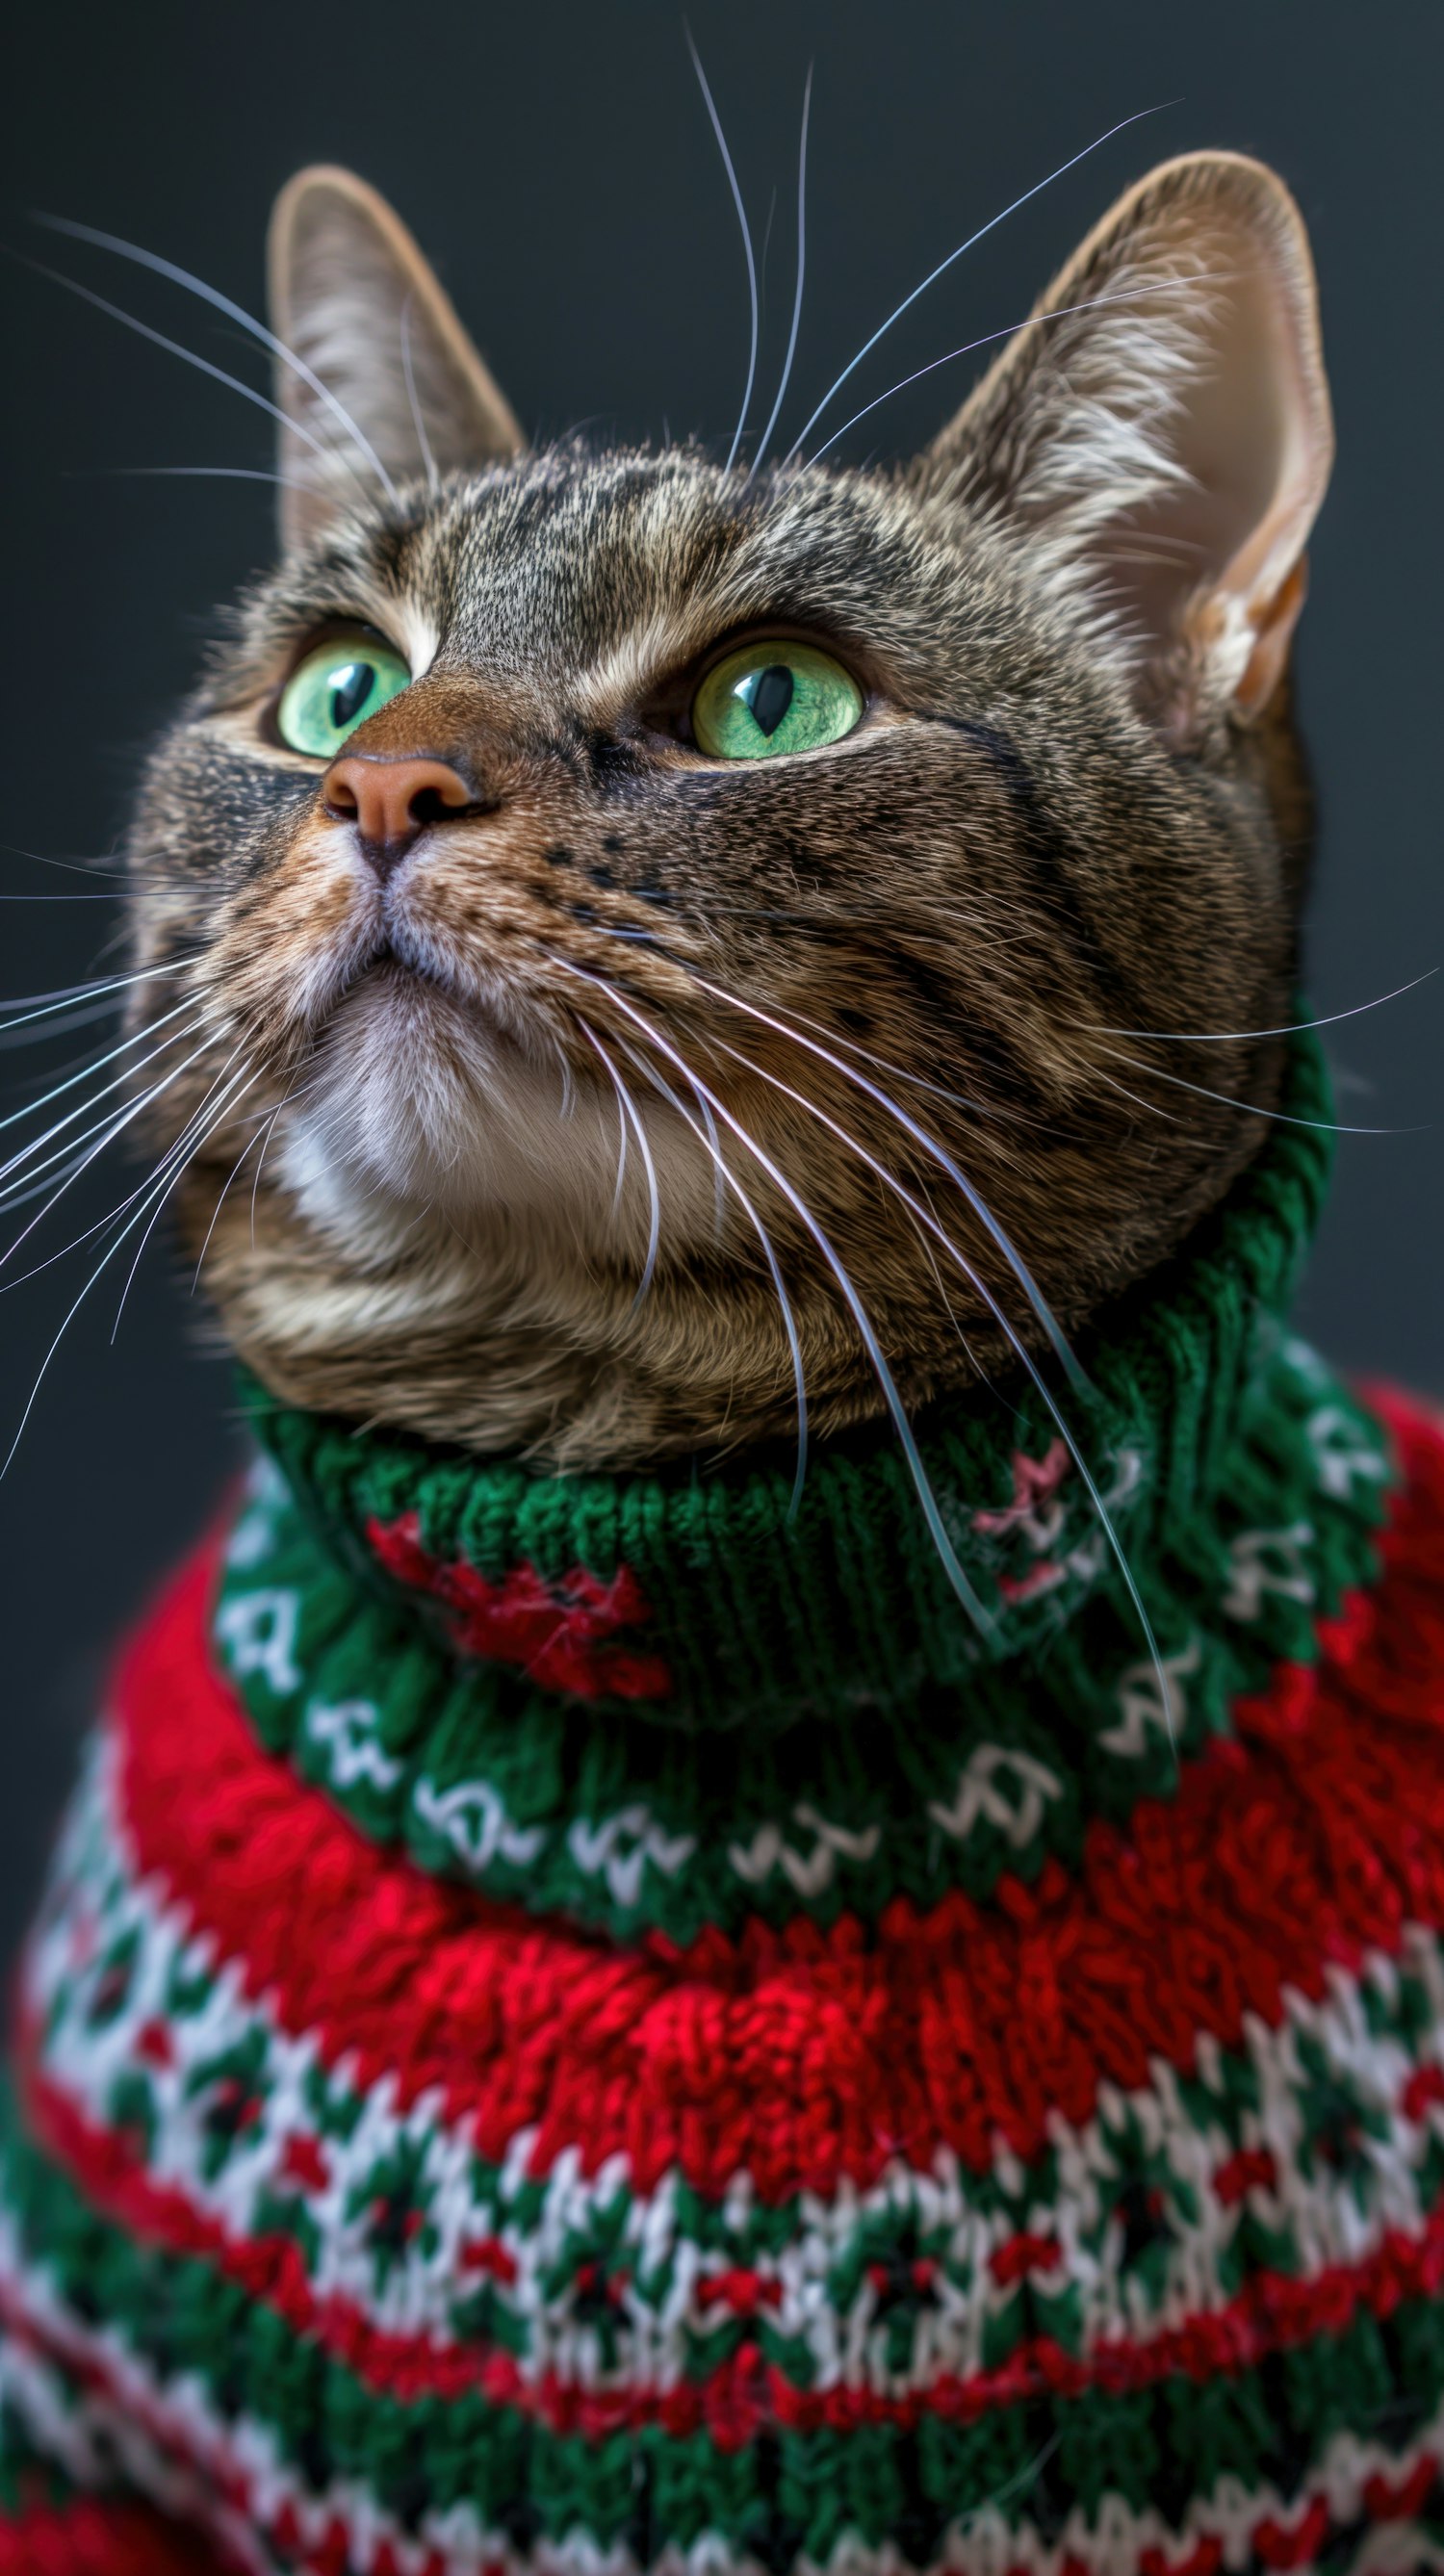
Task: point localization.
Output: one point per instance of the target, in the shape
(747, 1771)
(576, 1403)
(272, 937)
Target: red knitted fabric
(91, 2537)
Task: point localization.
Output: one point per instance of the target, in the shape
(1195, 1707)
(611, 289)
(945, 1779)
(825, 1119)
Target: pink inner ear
(1213, 553)
(1273, 636)
(1257, 445)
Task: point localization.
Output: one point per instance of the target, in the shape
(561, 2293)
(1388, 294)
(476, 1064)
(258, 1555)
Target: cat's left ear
(1160, 434)
(354, 301)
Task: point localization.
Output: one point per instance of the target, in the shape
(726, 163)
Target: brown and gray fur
(1074, 807)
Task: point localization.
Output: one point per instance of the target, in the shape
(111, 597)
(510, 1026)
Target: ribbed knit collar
(513, 1670)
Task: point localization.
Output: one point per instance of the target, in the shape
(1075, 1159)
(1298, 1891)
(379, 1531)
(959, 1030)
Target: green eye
(773, 697)
(335, 689)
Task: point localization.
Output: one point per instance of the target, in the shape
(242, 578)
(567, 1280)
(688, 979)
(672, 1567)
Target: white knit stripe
(815, 2281)
(172, 2441)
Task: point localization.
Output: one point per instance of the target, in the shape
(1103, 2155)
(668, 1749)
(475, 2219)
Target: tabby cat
(752, 1915)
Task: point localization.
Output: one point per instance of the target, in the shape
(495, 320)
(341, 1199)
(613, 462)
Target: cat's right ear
(1159, 433)
(381, 381)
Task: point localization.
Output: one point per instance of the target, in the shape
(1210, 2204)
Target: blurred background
(557, 165)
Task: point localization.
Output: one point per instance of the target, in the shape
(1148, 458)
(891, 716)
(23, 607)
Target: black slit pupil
(769, 696)
(349, 692)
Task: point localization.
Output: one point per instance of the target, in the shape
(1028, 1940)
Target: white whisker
(196, 473)
(230, 1098)
(977, 1282)
(297, 1091)
(937, 1152)
(654, 1228)
(75, 1015)
(621, 1157)
(765, 440)
(1060, 313)
(863, 1322)
(264, 1120)
(67, 993)
(433, 479)
(1227, 1037)
(168, 268)
(112, 1129)
(1250, 1108)
(124, 878)
(944, 264)
(106, 1258)
(192, 358)
(98, 1227)
(32, 1107)
(1137, 1099)
(726, 1179)
(746, 245)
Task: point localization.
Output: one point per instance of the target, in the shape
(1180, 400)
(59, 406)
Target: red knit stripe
(807, 2055)
(95, 2536)
(745, 2395)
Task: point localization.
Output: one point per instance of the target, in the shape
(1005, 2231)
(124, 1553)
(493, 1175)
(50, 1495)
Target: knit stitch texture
(588, 2024)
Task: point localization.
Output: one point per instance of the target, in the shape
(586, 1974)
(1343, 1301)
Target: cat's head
(655, 926)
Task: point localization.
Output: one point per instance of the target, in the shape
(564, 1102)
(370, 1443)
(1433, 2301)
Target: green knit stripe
(763, 1619)
(802, 2495)
(625, 1825)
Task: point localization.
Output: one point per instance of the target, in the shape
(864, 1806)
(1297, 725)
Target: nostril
(391, 800)
(340, 799)
(430, 805)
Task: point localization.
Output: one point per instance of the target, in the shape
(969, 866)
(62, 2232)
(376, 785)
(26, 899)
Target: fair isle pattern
(105, 2410)
(385, 2220)
(540, 1802)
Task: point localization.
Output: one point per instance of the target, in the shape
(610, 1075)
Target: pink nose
(391, 800)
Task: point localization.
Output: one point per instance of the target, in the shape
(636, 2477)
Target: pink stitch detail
(1027, 1587)
(1035, 1480)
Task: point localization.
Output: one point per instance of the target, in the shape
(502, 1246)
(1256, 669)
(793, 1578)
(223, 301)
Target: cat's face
(649, 920)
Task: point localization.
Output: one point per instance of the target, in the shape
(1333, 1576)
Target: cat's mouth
(393, 968)
(404, 986)
(402, 970)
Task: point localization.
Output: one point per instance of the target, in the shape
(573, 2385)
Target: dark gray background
(557, 165)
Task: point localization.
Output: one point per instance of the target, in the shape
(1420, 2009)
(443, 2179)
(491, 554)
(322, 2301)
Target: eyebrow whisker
(765, 440)
(177, 276)
(732, 183)
(944, 264)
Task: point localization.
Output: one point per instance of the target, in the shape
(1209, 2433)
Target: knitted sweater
(596, 2024)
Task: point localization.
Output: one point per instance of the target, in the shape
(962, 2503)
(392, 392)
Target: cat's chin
(419, 1102)
(412, 1094)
